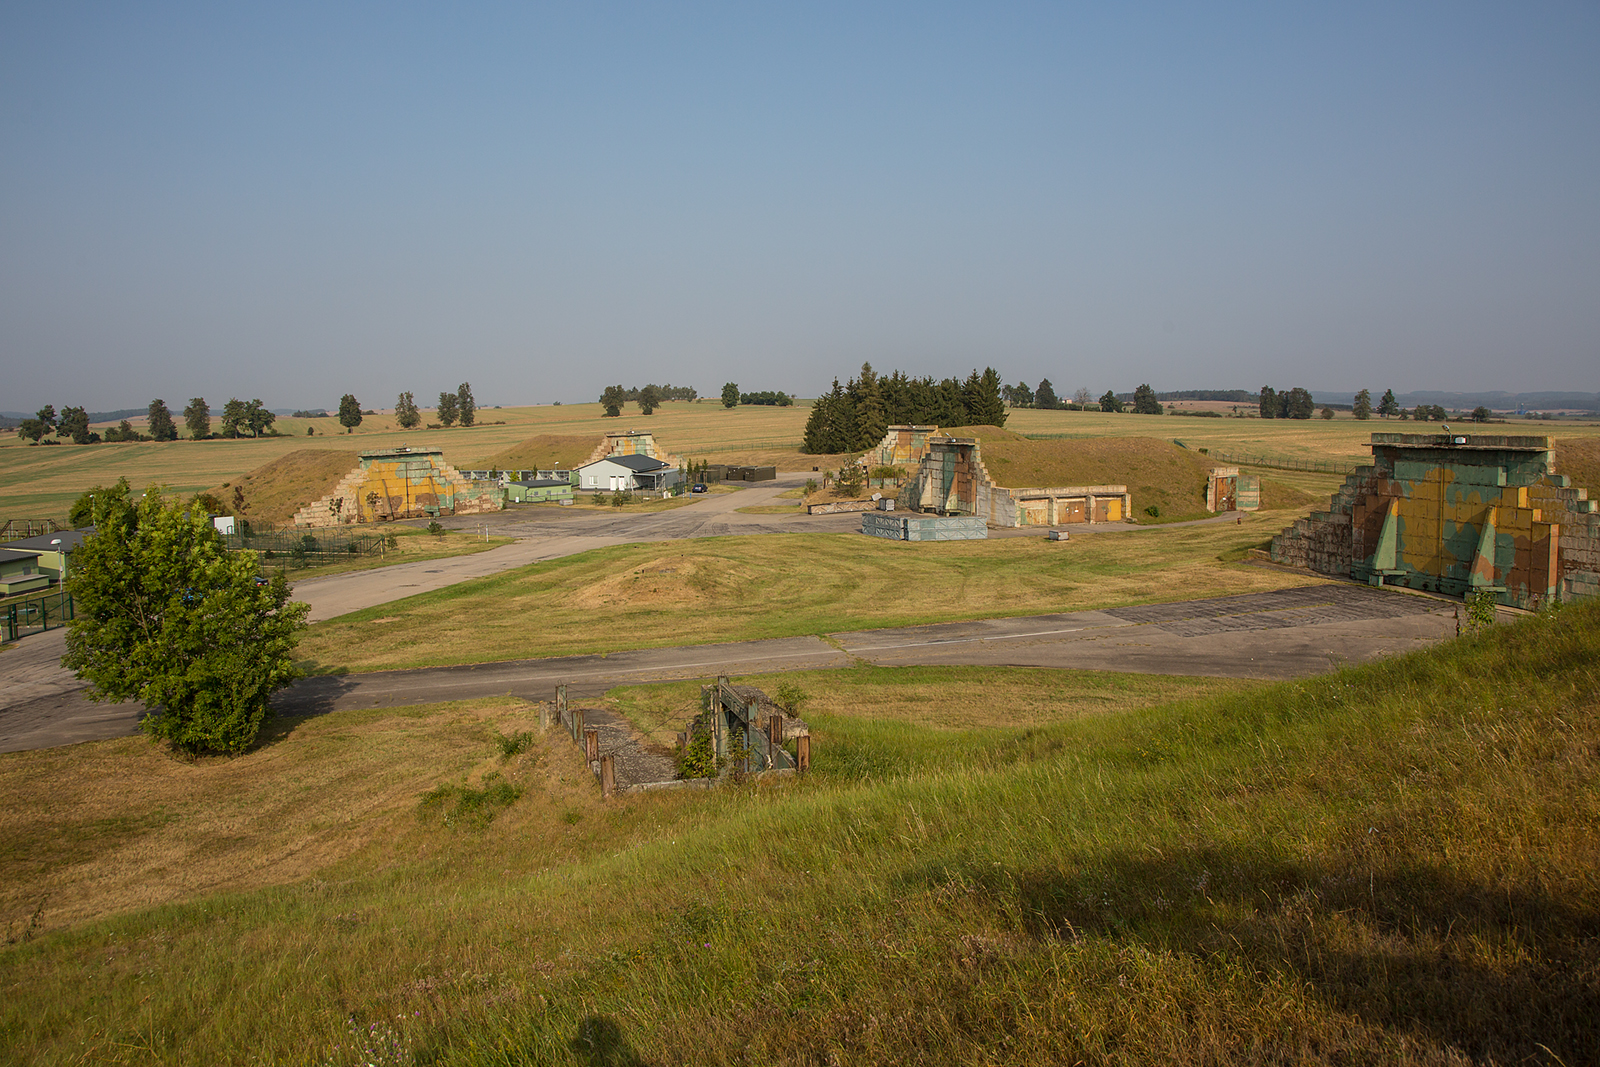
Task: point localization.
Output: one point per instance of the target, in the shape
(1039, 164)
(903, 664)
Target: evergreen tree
(197, 417)
(871, 417)
(1362, 407)
(1109, 402)
(1145, 402)
(448, 409)
(466, 407)
(1388, 406)
(1045, 396)
(47, 418)
(162, 428)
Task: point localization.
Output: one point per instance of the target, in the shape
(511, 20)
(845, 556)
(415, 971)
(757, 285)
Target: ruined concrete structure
(950, 479)
(1228, 490)
(401, 483)
(1456, 514)
(631, 443)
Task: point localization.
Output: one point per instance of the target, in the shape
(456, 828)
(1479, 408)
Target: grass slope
(274, 491)
(547, 451)
(1395, 863)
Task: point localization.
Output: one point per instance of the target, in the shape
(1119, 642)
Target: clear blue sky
(293, 201)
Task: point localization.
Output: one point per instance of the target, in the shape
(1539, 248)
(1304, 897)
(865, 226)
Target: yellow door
(1114, 510)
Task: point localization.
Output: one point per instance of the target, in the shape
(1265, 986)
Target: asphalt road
(1282, 634)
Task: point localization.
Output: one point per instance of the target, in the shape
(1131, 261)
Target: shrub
(461, 804)
(514, 744)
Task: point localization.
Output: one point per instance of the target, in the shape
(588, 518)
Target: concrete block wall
(400, 484)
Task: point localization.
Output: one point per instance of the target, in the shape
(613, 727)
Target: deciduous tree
(349, 412)
(197, 417)
(612, 399)
(1109, 401)
(649, 399)
(1145, 402)
(405, 412)
(730, 395)
(167, 616)
(161, 426)
(74, 423)
(448, 409)
(466, 407)
(235, 417)
(1045, 396)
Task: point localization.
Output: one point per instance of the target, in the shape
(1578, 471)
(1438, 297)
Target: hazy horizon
(299, 201)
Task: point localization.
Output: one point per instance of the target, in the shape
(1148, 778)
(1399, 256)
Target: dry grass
(106, 827)
(779, 585)
(933, 698)
(274, 491)
(547, 451)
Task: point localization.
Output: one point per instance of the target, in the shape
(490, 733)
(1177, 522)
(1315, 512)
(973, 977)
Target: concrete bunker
(1455, 514)
(400, 483)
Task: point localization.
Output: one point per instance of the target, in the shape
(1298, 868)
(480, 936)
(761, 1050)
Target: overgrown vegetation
(1394, 863)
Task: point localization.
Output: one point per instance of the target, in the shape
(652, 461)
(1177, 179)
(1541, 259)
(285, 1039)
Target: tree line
(854, 417)
(648, 397)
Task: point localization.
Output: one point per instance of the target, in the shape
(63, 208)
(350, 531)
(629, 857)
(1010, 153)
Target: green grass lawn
(1389, 864)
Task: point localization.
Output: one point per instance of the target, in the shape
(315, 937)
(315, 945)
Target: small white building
(621, 474)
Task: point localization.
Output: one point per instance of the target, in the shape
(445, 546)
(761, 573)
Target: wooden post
(561, 702)
(775, 729)
(576, 716)
(608, 775)
(683, 740)
(591, 743)
(803, 752)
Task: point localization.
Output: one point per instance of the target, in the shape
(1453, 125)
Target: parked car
(699, 487)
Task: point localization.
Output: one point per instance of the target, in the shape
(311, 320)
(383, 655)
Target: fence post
(576, 718)
(591, 744)
(803, 753)
(608, 775)
(561, 702)
(775, 729)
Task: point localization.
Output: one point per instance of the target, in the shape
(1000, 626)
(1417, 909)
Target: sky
(294, 201)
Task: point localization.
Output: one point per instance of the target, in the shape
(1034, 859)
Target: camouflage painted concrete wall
(1228, 490)
(1454, 514)
(902, 446)
(950, 477)
(631, 443)
(400, 484)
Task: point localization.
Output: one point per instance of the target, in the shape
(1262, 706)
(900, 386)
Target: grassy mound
(1579, 459)
(274, 491)
(545, 451)
(1158, 473)
(1397, 863)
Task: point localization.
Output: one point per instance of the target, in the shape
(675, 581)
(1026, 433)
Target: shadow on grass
(1501, 972)
(599, 1042)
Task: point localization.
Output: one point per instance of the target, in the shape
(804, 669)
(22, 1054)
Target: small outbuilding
(20, 573)
(538, 490)
(52, 550)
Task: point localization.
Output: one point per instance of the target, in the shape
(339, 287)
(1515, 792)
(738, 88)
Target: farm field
(42, 481)
(1392, 863)
(662, 594)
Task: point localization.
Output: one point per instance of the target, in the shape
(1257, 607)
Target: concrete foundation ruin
(1456, 514)
(400, 483)
(950, 479)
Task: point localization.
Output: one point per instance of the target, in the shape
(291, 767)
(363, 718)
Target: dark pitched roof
(637, 464)
(65, 541)
(9, 555)
(543, 483)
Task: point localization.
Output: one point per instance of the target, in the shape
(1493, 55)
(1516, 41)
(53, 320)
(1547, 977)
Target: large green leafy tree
(448, 409)
(1362, 406)
(162, 428)
(1145, 402)
(1109, 402)
(612, 399)
(730, 394)
(349, 411)
(405, 412)
(466, 407)
(166, 615)
(197, 417)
